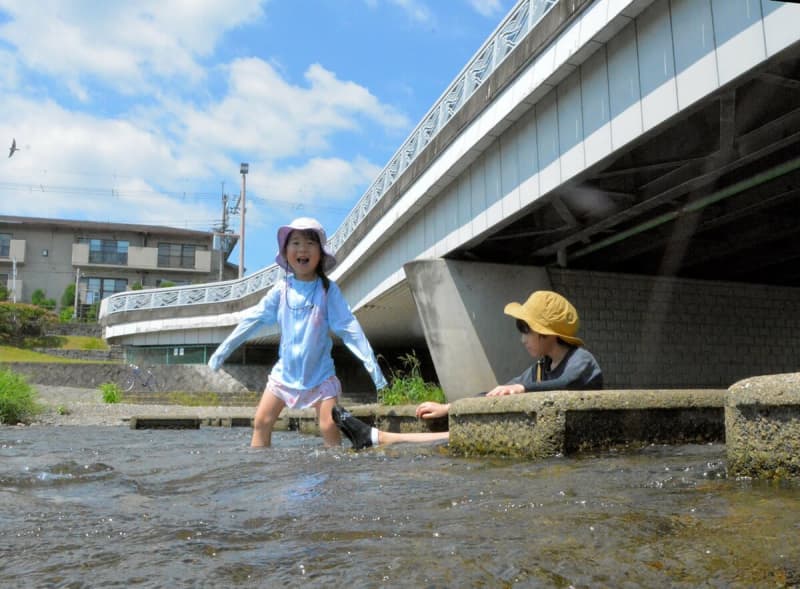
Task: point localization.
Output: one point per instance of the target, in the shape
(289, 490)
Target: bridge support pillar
(474, 346)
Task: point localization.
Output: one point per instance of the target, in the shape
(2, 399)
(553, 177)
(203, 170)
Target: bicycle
(144, 377)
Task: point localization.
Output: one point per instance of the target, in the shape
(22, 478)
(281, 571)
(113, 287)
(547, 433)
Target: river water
(115, 507)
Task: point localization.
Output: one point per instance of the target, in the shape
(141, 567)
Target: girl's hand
(506, 389)
(432, 410)
(215, 362)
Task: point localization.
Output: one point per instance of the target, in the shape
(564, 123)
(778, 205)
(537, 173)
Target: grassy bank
(26, 353)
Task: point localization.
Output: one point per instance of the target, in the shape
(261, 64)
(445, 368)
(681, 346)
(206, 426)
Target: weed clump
(406, 385)
(17, 399)
(111, 392)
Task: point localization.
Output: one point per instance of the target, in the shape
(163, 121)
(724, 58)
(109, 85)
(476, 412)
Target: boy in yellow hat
(548, 323)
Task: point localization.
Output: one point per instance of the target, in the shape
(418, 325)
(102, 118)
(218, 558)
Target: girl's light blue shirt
(306, 315)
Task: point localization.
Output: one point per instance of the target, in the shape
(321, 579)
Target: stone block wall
(651, 332)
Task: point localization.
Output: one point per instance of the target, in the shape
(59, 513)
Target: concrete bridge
(641, 157)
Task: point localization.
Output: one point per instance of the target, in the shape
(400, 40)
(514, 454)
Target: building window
(4, 281)
(106, 251)
(5, 245)
(176, 255)
(96, 289)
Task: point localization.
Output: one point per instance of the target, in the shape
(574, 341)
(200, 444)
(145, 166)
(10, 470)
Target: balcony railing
(112, 258)
(525, 15)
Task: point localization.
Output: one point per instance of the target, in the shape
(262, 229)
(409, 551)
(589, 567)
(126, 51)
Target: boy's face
(536, 344)
(303, 254)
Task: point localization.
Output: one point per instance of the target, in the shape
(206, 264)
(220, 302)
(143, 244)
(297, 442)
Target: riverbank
(65, 406)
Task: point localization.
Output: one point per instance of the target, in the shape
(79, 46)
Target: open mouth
(302, 260)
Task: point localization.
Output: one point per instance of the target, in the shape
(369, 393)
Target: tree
(19, 321)
(39, 298)
(68, 297)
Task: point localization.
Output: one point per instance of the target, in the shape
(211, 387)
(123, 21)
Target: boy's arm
(575, 374)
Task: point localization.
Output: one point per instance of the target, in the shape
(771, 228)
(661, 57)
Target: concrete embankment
(566, 422)
(762, 424)
(190, 378)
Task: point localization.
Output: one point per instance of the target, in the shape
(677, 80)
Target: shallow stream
(115, 507)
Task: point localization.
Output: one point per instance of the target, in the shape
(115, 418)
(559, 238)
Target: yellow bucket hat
(548, 313)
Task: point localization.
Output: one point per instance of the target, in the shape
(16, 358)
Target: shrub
(407, 385)
(68, 296)
(3, 292)
(111, 392)
(19, 321)
(91, 312)
(136, 286)
(17, 398)
(65, 315)
(39, 298)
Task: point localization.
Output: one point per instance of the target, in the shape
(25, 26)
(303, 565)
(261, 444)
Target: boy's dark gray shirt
(578, 370)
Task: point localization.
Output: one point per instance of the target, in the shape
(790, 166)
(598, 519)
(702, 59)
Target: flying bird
(13, 147)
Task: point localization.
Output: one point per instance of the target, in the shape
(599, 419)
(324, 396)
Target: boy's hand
(432, 410)
(506, 389)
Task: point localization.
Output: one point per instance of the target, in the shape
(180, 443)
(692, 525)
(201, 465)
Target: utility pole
(77, 286)
(14, 280)
(243, 169)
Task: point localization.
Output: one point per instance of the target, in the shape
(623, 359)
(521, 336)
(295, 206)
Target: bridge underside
(711, 194)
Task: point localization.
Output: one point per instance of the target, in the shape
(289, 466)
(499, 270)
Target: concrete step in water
(211, 399)
(208, 399)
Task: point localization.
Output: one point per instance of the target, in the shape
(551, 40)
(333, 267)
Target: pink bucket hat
(304, 224)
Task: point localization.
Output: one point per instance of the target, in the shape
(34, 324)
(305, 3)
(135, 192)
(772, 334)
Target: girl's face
(303, 253)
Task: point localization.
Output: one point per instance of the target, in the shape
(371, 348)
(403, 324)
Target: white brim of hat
(305, 224)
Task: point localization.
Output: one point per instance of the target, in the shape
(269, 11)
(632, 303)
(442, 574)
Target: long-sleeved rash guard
(307, 315)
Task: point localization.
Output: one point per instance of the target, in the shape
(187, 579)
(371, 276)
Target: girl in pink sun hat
(307, 306)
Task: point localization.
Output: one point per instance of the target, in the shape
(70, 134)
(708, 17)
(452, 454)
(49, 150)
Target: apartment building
(105, 258)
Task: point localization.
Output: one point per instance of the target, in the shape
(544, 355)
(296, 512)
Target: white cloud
(128, 46)
(416, 10)
(268, 117)
(331, 180)
(126, 160)
(487, 7)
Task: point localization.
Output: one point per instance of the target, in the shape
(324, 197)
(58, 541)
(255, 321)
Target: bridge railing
(520, 20)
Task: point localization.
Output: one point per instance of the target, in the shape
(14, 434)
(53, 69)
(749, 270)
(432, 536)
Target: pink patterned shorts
(303, 398)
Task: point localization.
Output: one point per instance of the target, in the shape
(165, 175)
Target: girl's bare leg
(327, 427)
(394, 438)
(267, 412)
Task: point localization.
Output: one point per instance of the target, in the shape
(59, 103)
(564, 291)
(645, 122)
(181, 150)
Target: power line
(100, 192)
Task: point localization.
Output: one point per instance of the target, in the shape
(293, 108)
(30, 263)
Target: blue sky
(141, 112)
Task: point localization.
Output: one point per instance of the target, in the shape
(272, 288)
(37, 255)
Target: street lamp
(243, 169)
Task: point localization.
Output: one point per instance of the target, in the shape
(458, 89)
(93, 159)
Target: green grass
(407, 385)
(111, 392)
(83, 342)
(17, 399)
(9, 354)
(26, 353)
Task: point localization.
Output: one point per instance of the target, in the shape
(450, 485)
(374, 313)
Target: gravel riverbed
(79, 406)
